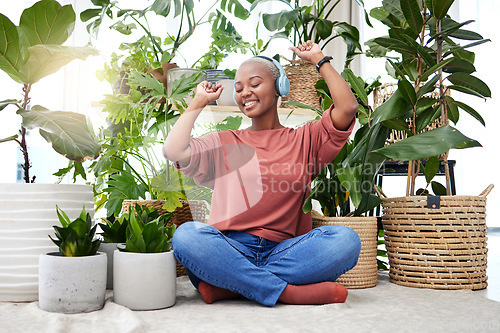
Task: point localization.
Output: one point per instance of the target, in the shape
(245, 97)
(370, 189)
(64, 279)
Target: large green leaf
(471, 82)
(395, 45)
(47, 22)
(12, 54)
(439, 8)
(394, 107)
(411, 11)
(459, 65)
(48, 59)
(407, 91)
(467, 109)
(427, 144)
(350, 178)
(394, 7)
(278, 21)
(68, 132)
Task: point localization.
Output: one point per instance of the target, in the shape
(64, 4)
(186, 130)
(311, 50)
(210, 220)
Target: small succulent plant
(76, 238)
(147, 231)
(115, 231)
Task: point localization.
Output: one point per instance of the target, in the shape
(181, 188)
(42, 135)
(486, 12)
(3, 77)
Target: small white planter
(144, 281)
(109, 249)
(72, 284)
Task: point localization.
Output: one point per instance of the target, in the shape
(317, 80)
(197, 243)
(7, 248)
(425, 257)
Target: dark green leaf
(466, 35)
(394, 44)
(458, 65)
(411, 11)
(439, 8)
(428, 87)
(394, 107)
(426, 117)
(427, 144)
(278, 21)
(324, 28)
(470, 82)
(357, 84)
(467, 109)
(431, 168)
(396, 124)
(435, 68)
(437, 188)
(452, 110)
(407, 91)
(394, 7)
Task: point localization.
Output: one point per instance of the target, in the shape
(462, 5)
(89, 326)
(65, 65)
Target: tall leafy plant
(424, 54)
(30, 52)
(183, 13)
(300, 23)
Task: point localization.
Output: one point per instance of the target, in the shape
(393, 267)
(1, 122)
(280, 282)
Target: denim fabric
(260, 269)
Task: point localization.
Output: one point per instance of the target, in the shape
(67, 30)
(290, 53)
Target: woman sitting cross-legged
(258, 243)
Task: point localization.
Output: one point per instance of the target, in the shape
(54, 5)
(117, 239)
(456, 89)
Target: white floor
(493, 270)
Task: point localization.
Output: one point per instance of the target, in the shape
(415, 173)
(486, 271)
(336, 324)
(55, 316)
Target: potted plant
(29, 52)
(144, 273)
(429, 57)
(114, 232)
(73, 280)
(348, 181)
(299, 23)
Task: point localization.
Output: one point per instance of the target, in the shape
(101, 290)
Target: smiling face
(255, 91)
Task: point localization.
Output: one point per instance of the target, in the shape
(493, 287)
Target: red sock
(212, 294)
(317, 293)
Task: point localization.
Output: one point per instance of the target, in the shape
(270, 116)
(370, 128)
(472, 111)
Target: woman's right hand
(208, 91)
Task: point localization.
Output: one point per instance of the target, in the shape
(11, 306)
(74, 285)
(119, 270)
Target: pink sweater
(261, 178)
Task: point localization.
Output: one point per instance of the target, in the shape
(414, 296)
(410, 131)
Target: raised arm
(345, 104)
(176, 147)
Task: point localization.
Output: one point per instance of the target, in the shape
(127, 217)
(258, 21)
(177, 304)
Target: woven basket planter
(436, 245)
(364, 274)
(303, 76)
(192, 210)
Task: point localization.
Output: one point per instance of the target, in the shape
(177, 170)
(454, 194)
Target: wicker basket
(442, 247)
(303, 76)
(364, 274)
(192, 210)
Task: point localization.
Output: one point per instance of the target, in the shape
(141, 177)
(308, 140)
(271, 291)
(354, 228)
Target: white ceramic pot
(109, 249)
(144, 281)
(27, 214)
(72, 284)
(226, 98)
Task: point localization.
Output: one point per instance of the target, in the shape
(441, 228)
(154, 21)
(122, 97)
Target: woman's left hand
(309, 51)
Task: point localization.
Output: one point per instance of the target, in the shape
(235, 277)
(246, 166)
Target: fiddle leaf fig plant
(423, 53)
(76, 238)
(30, 52)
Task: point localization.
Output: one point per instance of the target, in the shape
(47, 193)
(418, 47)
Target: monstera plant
(30, 52)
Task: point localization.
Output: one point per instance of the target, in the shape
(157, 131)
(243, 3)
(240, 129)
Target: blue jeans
(260, 269)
